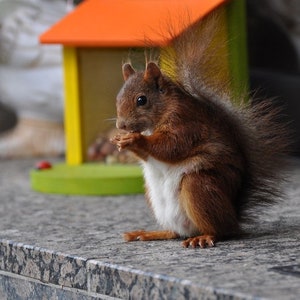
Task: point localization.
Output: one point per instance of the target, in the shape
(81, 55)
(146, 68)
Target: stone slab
(75, 242)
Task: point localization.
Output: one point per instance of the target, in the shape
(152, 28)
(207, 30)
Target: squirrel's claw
(122, 141)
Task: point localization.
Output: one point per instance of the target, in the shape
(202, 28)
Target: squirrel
(208, 161)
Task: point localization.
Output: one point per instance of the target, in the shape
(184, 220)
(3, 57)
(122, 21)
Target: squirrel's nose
(121, 124)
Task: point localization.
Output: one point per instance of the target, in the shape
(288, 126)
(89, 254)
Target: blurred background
(274, 56)
(31, 91)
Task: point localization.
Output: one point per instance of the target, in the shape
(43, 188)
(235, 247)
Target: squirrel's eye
(141, 100)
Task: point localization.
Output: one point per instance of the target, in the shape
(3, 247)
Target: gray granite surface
(70, 247)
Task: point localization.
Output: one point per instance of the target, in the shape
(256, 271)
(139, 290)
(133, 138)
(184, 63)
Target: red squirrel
(207, 163)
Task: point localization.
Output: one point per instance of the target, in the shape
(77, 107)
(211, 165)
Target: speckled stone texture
(70, 247)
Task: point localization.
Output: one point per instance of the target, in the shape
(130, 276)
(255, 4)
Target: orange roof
(125, 23)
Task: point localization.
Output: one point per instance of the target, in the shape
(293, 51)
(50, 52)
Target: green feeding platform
(89, 179)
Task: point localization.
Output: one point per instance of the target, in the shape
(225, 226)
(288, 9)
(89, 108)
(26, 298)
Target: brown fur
(236, 152)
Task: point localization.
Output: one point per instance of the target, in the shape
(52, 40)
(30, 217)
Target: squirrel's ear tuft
(127, 71)
(152, 72)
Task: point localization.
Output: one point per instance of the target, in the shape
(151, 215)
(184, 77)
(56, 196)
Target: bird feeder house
(97, 36)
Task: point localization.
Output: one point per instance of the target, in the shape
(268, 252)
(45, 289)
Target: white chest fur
(163, 182)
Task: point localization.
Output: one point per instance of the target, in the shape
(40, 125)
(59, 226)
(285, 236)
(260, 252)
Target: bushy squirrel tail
(197, 61)
(266, 145)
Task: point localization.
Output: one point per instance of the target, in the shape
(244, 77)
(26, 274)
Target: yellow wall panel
(73, 116)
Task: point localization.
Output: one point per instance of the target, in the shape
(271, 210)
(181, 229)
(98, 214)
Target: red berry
(43, 165)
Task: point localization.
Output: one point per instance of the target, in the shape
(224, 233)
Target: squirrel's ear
(152, 71)
(127, 71)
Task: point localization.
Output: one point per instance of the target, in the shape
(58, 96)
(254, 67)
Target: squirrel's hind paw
(133, 235)
(142, 235)
(201, 241)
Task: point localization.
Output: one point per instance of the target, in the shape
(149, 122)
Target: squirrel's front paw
(123, 141)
